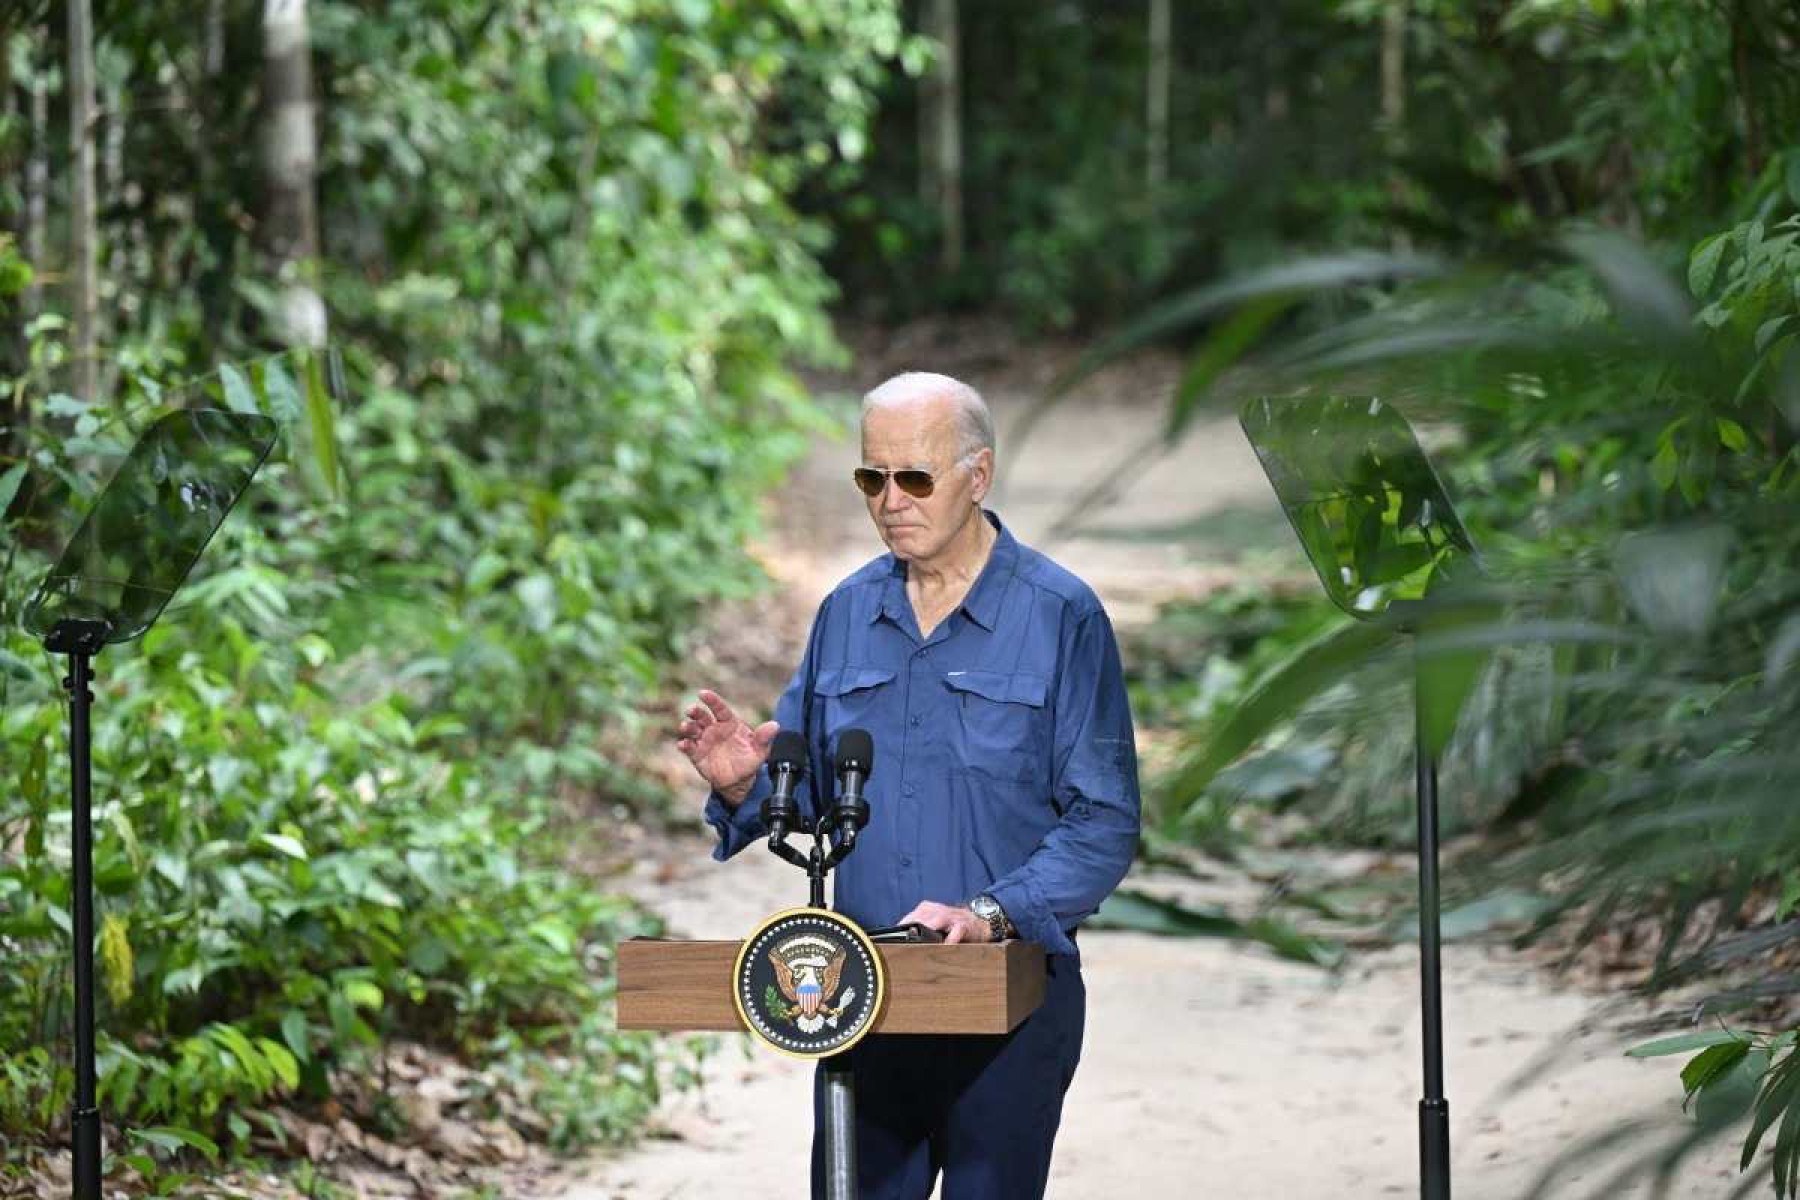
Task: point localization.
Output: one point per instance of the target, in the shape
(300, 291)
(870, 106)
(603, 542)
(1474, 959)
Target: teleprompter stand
(1389, 549)
(81, 640)
(128, 558)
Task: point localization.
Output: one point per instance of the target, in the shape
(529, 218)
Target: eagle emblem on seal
(808, 970)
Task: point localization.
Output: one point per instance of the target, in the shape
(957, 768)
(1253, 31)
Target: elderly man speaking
(1005, 802)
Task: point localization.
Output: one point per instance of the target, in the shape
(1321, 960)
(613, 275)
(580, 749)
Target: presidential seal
(808, 982)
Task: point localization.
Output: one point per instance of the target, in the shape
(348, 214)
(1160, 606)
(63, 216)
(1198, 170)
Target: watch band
(1000, 926)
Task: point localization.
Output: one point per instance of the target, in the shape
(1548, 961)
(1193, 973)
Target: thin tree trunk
(291, 161)
(1743, 77)
(83, 231)
(215, 38)
(928, 109)
(1156, 101)
(1275, 95)
(112, 190)
(941, 130)
(13, 148)
(1393, 67)
(1393, 104)
(9, 105)
(37, 182)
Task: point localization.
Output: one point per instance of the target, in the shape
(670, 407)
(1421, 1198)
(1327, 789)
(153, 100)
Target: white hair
(974, 424)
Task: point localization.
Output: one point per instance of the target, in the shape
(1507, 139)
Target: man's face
(922, 435)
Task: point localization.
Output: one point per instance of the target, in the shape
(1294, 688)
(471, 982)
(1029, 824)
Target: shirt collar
(983, 600)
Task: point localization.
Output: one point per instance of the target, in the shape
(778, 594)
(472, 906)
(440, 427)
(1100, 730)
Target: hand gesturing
(723, 748)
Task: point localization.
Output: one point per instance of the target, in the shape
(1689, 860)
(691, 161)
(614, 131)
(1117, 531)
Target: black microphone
(855, 762)
(787, 763)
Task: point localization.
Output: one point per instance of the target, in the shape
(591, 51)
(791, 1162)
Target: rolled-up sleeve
(1095, 787)
(739, 826)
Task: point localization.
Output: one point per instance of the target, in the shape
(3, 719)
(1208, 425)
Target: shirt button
(916, 719)
(906, 860)
(908, 790)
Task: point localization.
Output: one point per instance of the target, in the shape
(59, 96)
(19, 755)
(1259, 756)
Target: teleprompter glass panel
(173, 490)
(1363, 498)
(142, 536)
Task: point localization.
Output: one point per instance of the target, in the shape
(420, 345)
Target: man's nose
(893, 499)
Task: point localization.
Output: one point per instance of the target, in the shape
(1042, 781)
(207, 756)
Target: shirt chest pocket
(850, 698)
(1003, 726)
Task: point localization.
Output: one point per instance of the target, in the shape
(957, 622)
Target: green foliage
(588, 1082)
(1622, 448)
(1513, 118)
(1272, 698)
(1630, 469)
(1141, 913)
(332, 784)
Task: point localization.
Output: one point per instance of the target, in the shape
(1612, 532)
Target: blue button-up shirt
(1004, 759)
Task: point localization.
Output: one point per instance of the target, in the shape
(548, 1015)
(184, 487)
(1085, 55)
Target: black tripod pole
(85, 1119)
(1434, 1109)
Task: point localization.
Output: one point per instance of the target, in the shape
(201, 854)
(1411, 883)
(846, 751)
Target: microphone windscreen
(856, 748)
(789, 750)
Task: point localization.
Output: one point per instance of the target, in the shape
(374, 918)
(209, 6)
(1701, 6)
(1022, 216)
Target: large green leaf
(1267, 292)
(1278, 695)
(321, 416)
(1138, 912)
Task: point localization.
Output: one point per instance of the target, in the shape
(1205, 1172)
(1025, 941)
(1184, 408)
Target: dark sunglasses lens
(916, 484)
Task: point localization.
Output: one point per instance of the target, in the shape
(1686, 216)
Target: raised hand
(723, 747)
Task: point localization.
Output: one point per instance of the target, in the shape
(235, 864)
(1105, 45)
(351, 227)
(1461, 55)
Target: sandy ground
(1210, 1069)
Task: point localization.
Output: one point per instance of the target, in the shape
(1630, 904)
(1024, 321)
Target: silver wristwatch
(989, 910)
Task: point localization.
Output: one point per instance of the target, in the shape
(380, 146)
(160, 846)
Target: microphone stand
(817, 861)
(837, 829)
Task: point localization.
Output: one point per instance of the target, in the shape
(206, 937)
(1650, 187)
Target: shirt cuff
(1031, 915)
(739, 826)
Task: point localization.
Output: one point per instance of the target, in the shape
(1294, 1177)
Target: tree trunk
(941, 131)
(291, 162)
(214, 63)
(1156, 101)
(1743, 77)
(13, 148)
(83, 231)
(37, 182)
(1393, 105)
(121, 236)
(9, 106)
(1393, 67)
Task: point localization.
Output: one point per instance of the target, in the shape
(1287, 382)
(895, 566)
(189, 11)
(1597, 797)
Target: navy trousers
(981, 1109)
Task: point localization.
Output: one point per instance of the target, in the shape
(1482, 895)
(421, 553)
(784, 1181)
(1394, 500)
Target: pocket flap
(1001, 686)
(838, 681)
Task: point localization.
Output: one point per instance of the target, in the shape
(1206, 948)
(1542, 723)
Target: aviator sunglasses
(914, 481)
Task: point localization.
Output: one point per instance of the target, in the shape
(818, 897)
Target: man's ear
(983, 471)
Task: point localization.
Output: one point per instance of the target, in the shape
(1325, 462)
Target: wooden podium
(931, 988)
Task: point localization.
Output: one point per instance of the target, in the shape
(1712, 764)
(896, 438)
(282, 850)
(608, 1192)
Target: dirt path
(1210, 1069)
